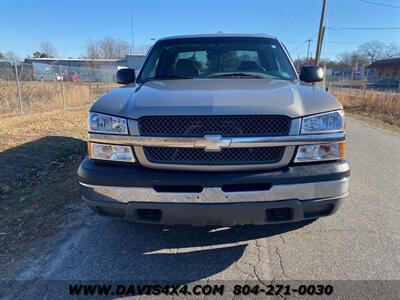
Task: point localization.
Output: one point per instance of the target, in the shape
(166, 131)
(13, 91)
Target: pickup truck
(216, 129)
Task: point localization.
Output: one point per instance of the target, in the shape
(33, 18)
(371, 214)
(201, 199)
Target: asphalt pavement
(360, 242)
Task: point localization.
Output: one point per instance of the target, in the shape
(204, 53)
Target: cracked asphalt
(360, 242)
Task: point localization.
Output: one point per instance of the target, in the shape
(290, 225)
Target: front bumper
(216, 198)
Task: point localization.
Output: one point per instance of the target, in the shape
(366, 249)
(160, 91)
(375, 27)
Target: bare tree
(344, 59)
(352, 59)
(392, 50)
(48, 49)
(92, 50)
(108, 48)
(373, 50)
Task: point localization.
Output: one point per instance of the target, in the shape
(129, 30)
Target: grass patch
(381, 106)
(39, 157)
(41, 96)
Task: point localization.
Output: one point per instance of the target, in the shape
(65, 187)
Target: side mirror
(125, 76)
(311, 74)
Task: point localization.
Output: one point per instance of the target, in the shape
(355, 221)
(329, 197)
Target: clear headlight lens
(111, 152)
(320, 152)
(324, 123)
(106, 124)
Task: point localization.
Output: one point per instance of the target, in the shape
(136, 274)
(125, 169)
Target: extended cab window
(217, 58)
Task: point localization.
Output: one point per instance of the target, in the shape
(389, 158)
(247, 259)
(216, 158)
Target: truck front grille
(227, 126)
(227, 156)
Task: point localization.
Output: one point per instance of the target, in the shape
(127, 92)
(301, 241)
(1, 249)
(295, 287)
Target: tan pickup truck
(216, 129)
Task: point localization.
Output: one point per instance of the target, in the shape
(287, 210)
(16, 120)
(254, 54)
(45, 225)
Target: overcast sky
(69, 24)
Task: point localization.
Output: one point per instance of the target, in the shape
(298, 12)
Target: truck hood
(216, 97)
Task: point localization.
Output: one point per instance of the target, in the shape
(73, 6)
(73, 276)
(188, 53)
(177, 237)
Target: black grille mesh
(227, 156)
(228, 126)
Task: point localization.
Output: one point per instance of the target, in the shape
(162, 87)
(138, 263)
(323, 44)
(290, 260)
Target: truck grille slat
(227, 126)
(227, 156)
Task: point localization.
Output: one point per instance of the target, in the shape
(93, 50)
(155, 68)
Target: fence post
(341, 82)
(62, 85)
(18, 88)
(90, 85)
(350, 87)
(364, 95)
(364, 91)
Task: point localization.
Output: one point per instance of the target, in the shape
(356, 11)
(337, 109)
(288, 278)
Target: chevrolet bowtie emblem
(212, 143)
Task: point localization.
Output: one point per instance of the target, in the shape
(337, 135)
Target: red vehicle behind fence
(75, 78)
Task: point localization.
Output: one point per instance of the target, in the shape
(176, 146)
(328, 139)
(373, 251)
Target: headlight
(323, 123)
(111, 152)
(106, 124)
(320, 152)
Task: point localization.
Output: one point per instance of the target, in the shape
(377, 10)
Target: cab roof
(217, 35)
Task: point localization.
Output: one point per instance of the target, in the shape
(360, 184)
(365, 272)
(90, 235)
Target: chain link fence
(36, 87)
(367, 97)
(26, 88)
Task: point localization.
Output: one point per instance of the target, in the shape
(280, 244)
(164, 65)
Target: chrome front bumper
(140, 194)
(299, 191)
(281, 204)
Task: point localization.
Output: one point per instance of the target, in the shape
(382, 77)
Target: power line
(304, 42)
(363, 28)
(379, 4)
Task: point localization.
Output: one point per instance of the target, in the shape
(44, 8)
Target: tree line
(107, 48)
(110, 48)
(365, 54)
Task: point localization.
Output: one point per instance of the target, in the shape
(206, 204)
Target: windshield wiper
(236, 74)
(169, 77)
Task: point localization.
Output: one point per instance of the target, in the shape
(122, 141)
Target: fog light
(111, 152)
(320, 152)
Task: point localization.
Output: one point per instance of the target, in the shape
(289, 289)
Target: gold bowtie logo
(212, 143)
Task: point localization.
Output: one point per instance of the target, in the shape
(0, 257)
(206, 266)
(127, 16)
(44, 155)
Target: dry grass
(39, 158)
(379, 105)
(40, 96)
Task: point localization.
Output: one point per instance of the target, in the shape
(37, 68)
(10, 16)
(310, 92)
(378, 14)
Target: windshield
(217, 58)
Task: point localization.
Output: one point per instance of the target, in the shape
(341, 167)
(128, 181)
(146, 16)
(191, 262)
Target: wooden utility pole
(320, 33)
